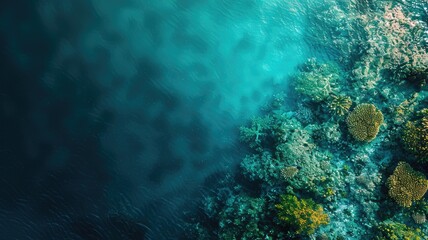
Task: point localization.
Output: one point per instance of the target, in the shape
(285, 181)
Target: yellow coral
(406, 185)
(364, 122)
(339, 104)
(304, 214)
(415, 138)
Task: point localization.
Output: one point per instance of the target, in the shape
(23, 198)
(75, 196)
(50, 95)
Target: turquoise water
(217, 63)
(123, 119)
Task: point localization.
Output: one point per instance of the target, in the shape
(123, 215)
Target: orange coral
(406, 185)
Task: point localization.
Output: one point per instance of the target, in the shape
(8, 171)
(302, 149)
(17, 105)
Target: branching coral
(303, 214)
(317, 81)
(406, 185)
(259, 129)
(389, 230)
(339, 104)
(364, 122)
(415, 138)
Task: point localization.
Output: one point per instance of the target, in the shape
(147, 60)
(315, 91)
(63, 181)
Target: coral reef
(303, 214)
(394, 44)
(406, 185)
(240, 218)
(415, 138)
(300, 152)
(264, 167)
(316, 80)
(304, 114)
(296, 147)
(419, 211)
(339, 104)
(326, 134)
(290, 144)
(403, 111)
(259, 129)
(289, 172)
(364, 122)
(419, 218)
(389, 230)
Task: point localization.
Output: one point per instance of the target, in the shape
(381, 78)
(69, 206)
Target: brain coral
(406, 185)
(415, 138)
(364, 122)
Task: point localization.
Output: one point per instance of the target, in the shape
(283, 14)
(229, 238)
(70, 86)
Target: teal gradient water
(214, 64)
(134, 107)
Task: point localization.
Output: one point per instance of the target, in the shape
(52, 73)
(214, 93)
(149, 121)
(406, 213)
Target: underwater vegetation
(332, 162)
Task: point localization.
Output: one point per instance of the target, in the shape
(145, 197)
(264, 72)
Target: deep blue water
(119, 115)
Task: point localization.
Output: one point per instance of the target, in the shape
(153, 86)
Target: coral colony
(350, 160)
